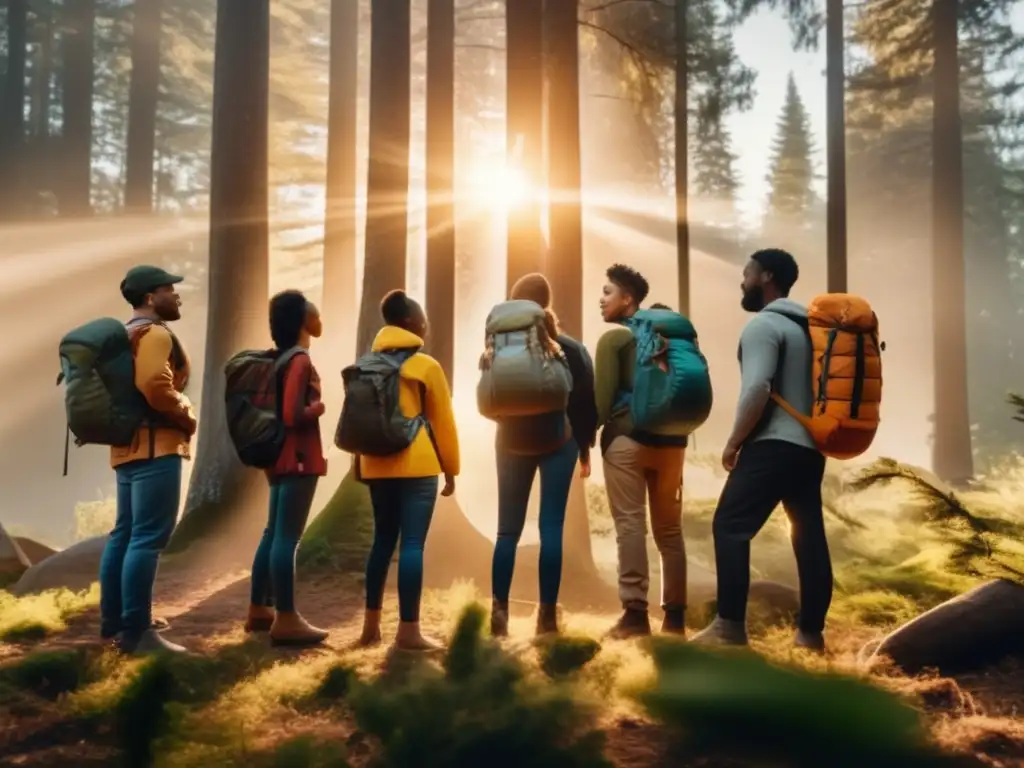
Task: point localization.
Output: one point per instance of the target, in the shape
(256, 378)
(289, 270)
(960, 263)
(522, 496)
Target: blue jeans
(273, 567)
(402, 509)
(148, 494)
(515, 481)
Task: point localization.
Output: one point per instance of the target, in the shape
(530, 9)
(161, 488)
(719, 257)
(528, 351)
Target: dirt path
(979, 713)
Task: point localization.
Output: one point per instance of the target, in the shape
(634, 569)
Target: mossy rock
(341, 535)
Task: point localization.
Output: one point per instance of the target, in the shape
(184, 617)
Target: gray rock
(74, 568)
(969, 631)
(35, 551)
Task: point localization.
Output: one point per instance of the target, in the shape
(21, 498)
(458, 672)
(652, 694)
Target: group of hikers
(810, 389)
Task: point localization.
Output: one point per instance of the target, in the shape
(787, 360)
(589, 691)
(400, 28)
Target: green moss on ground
(341, 535)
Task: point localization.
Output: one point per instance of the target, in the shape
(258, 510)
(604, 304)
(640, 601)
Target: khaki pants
(632, 472)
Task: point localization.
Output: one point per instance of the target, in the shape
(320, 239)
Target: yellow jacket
(162, 384)
(418, 372)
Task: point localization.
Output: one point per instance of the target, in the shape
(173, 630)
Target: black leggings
(767, 473)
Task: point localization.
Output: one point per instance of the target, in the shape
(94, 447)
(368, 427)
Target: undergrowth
(32, 617)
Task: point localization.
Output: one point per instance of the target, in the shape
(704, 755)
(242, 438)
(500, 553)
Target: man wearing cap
(149, 470)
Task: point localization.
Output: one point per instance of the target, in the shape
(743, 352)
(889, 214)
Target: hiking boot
(811, 641)
(722, 632)
(674, 622)
(547, 619)
(499, 618)
(289, 628)
(149, 643)
(260, 619)
(634, 622)
(410, 638)
(159, 624)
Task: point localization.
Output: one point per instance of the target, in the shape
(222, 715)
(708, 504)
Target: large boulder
(35, 551)
(13, 561)
(75, 568)
(969, 631)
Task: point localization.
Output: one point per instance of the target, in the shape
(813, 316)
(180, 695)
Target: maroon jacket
(301, 409)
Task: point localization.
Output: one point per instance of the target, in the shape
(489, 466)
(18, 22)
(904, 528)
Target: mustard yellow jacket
(419, 372)
(162, 384)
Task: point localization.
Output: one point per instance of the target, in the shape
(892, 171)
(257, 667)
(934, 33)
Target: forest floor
(250, 704)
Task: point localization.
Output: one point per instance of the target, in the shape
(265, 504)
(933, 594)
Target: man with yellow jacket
(149, 469)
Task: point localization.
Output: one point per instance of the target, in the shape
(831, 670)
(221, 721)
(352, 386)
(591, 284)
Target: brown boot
(371, 629)
(547, 620)
(260, 619)
(289, 628)
(409, 638)
(499, 619)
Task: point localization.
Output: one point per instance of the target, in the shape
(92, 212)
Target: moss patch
(341, 534)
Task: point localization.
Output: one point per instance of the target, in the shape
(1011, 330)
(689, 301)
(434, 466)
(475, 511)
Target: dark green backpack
(98, 368)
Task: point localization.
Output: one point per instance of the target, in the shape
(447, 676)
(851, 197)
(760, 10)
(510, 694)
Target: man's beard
(753, 299)
(169, 314)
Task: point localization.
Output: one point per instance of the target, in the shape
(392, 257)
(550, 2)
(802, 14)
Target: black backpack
(97, 365)
(252, 398)
(371, 422)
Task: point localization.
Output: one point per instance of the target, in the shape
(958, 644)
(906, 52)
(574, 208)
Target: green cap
(145, 279)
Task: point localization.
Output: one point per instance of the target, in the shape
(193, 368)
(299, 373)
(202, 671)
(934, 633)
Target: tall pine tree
(714, 172)
(791, 173)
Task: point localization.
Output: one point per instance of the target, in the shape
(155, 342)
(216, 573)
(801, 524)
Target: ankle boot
(674, 622)
(634, 622)
(260, 618)
(371, 629)
(547, 619)
(410, 638)
(499, 618)
(289, 628)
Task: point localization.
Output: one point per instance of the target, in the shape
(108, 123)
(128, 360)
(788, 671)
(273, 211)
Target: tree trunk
(79, 75)
(223, 496)
(440, 161)
(387, 183)
(952, 458)
(565, 255)
(835, 98)
(12, 111)
(143, 96)
(524, 22)
(339, 282)
(42, 75)
(682, 144)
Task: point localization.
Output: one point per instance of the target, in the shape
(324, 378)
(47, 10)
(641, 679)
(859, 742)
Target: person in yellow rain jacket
(403, 486)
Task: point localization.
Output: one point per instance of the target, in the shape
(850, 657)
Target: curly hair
(287, 318)
(630, 281)
(781, 265)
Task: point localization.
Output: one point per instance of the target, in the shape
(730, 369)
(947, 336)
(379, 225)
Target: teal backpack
(672, 393)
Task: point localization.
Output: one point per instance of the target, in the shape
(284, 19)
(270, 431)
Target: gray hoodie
(775, 349)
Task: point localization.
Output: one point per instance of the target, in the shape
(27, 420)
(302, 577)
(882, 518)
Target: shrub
(481, 709)
(94, 518)
(710, 697)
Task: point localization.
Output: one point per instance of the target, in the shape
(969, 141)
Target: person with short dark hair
(637, 465)
(294, 321)
(549, 444)
(403, 486)
(770, 457)
(149, 469)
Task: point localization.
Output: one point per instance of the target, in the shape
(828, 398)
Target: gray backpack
(519, 374)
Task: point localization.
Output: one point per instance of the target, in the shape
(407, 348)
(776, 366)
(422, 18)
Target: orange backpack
(847, 375)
